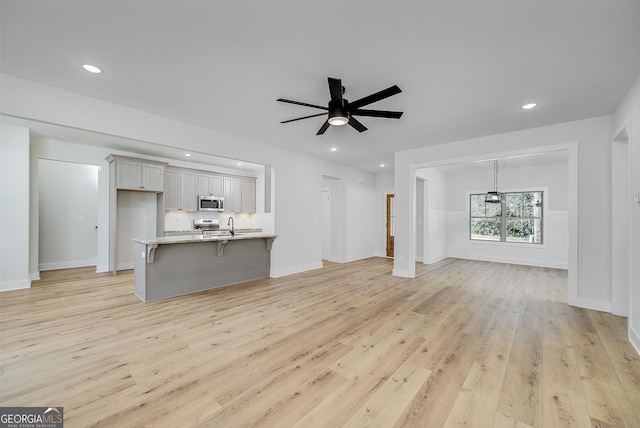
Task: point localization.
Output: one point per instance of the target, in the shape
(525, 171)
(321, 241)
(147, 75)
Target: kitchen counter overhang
(177, 265)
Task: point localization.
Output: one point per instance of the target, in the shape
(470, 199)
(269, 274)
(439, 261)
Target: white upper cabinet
(138, 174)
(232, 194)
(188, 191)
(240, 194)
(248, 195)
(210, 184)
(180, 190)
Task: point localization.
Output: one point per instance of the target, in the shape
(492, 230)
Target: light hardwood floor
(465, 343)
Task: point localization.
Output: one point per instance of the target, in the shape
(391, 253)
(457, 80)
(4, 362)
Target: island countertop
(184, 239)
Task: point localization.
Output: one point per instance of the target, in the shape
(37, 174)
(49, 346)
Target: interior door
(390, 217)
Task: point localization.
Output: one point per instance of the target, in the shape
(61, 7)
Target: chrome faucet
(230, 222)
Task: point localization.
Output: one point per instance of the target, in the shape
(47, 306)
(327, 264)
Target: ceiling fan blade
(385, 93)
(301, 104)
(377, 113)
(356, 124)
(304, 117)
(323, 128)
(335, 89)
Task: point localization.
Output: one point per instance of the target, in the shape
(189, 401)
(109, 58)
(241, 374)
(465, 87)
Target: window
(518, 218)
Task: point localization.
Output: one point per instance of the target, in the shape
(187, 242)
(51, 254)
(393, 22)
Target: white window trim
(545, 210)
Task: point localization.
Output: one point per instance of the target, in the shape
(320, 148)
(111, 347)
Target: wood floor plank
(521, 396)
(607, 400)
(390, 400)
(464, 343)
(563, 395)
(478, 398)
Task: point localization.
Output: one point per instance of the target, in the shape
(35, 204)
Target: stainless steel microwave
(210, 203)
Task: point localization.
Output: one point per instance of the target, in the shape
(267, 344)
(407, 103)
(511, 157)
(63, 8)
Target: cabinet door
(188, 191)
(203, 184)
(209, 184)
(128, 175)
(171, 190)
(152, 177)
(248, 196)
(232, 194)
(216, 185)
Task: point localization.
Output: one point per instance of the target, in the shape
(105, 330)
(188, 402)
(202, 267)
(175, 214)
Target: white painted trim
(634, 338)
(593, 304)
(436, 259)
(15, 285)
(124, 266)
(67, 264)
(102, 268)
(404, 273)
(277, 273)
(522, 262)
(34, 276)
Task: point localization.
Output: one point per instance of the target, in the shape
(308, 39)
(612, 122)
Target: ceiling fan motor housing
(338, 110)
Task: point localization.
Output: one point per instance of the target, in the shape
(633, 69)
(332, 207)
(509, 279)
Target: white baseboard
(15, 285)
(67, 264)
(513, 261)
(402, 273)
(593, 304)
(102, 268)
(351, 258)
(124, 266)
(34, 276)
(436, 260)
(634, 338)
(277, 273)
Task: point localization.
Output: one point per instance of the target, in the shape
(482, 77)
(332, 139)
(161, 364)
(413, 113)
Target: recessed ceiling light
(187, 154)
(334, 149)
(382, 165)
(239, 164)
(529, 106)
(92, 69)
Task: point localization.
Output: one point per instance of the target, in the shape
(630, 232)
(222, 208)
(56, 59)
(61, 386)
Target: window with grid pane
(518, 218)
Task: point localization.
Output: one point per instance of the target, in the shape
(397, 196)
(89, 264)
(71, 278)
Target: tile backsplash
(183, 221)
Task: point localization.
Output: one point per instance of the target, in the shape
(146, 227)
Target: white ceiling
(465, 66)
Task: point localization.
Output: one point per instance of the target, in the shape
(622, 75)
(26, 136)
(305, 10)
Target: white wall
(626, 120)
(14, 209)
(434, 234)
(297, 179)
(589, 173)
(552, 179)
(68, 194)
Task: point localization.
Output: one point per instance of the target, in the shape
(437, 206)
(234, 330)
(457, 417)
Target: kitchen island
(176, 265)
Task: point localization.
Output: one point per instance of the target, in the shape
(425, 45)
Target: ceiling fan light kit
(340, 112)
(338, 115)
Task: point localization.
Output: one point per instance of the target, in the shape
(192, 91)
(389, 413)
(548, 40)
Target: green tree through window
(518, 218)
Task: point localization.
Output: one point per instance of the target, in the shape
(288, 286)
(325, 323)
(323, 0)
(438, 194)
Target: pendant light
(494, 197)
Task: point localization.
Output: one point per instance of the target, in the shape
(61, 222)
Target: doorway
(326, 224)
(389, 225)
(620, 225)
(68, 214)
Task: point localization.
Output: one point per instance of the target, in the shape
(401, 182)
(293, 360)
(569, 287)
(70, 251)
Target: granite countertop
(194, 231)
(203, 238)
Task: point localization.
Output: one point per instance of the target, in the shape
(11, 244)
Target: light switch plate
(636, 196)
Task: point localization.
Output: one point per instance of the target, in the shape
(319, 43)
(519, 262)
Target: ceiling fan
(342, 112)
